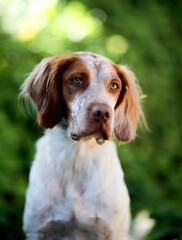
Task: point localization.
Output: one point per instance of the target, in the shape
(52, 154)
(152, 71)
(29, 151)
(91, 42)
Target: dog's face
(94, 95)
(91, 89)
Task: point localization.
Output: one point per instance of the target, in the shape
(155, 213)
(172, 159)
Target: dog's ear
(128, 109)
(43, 85)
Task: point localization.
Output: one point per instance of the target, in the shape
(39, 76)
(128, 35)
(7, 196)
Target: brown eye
(77, 80)
(114, 86)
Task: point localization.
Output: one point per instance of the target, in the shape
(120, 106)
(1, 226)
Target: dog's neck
(72, 162)
(67, 154)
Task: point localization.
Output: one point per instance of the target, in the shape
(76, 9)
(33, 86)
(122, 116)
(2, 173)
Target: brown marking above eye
(75, 79)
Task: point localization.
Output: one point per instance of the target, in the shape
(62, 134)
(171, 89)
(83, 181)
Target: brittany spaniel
(76, 188)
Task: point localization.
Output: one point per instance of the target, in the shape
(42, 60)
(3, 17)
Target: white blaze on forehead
(101, 68)
(94, 60)
(92, 55)
(101, 72)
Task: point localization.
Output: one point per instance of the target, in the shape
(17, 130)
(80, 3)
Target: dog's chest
(69, 174)
(72, 183)
(75, 204)
(79, 189)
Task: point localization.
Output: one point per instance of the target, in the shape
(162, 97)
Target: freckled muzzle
(98, 123)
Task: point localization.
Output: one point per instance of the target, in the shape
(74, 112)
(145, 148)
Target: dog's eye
(114, 86)
(77, 80)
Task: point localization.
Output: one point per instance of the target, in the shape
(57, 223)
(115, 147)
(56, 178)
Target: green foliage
(147, 35)
(16, 144)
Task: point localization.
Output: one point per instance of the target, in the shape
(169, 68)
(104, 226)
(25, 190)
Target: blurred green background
(145, 35)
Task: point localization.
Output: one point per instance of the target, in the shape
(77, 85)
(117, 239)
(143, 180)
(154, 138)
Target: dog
(76, 186)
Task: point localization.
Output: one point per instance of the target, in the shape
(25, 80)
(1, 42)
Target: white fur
(69, 178)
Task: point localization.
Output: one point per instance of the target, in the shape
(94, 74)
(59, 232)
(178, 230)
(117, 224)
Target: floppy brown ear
(44, 87)
(128, 108)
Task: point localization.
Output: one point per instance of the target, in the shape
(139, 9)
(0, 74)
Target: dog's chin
(100, 136)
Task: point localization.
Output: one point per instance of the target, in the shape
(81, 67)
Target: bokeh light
(117, 44)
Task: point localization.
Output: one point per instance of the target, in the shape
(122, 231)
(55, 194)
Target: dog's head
(94, 95)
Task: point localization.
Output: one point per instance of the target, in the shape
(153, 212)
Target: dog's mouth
(99, 136)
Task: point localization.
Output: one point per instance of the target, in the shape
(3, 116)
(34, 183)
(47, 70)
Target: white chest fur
(70, 180)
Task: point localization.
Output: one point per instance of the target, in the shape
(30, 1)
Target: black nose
(101, 112)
